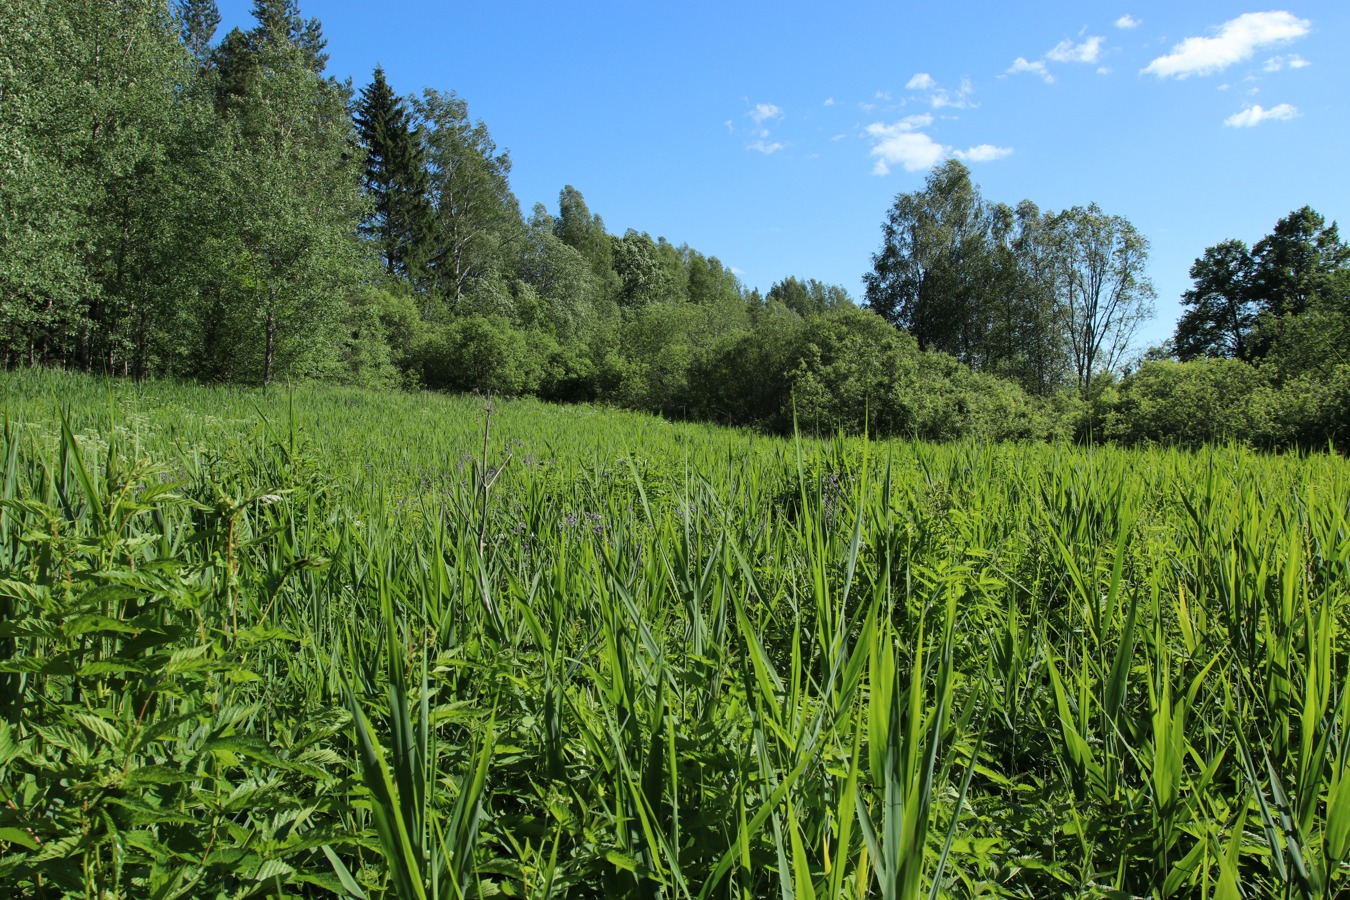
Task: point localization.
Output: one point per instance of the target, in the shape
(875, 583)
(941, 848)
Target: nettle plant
(141, 754)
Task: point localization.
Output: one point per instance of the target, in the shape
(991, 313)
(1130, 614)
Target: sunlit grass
(329, 643)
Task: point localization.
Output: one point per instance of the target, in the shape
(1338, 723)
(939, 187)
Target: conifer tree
(395, 174)
(199, 20)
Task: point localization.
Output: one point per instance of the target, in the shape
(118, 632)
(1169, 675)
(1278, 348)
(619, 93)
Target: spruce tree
(279, 21)
(395, 174)
(199, 20)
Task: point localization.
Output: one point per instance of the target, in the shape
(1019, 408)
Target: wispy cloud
(939, 97)
(765, 112)
(1068, 52)
(761, 115)
(983, 153)
(1276, 63)
(1235, 41)
(1021, 64)
(903, 144)
(829, 101)
(1255, 115)
(1127, 21)
(957, 99)
(765, 147)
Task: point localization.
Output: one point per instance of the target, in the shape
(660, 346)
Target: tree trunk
(269, 351)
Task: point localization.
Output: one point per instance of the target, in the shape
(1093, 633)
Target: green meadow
(320, 642)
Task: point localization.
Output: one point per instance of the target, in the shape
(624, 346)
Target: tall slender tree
(1025, 338)
(395, 178)
(577, 227)
(280, 21)
(290, 203)
(199, 20)
(1103, 293)
(474, 225)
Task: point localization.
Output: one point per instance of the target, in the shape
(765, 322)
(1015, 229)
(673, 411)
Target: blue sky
(775, 135)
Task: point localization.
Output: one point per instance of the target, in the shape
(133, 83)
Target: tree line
(1050, 300)
(177, 203)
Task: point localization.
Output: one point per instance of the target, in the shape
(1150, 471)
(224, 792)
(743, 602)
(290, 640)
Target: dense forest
(176, 203)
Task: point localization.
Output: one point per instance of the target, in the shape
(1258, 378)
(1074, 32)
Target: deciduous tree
(932, 273)
(474, 224)
(1220, 310)
(1101, 286)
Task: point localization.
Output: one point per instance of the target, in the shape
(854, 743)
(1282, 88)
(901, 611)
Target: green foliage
(372, 645)
(482, 354)
(851, 371)
(1195, 403)
(1208, 401)
(932, 274)
(1015, 292)
(808, 298)
(1221, 310)
(1284, 298)
(395, 178)
(88, 136)
(473, 220)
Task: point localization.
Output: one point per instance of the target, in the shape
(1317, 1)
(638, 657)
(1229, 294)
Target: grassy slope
(659, 659)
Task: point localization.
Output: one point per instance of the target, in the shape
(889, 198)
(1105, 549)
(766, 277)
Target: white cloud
(1255, 115)
(938, 97)
(984, 153)
(764, 112)
(902, 144)
(914, 150)
(1068, 52)
(829, 101)
(737, 272)
(1127, 21)
(1235, 41)
(768, 149)
(1293, 61)
(958, 99)
(1036, 68)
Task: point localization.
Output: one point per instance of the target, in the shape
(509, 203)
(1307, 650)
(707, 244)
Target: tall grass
(338, 644)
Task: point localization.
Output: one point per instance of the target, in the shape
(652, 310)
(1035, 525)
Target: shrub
(1190, 403)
